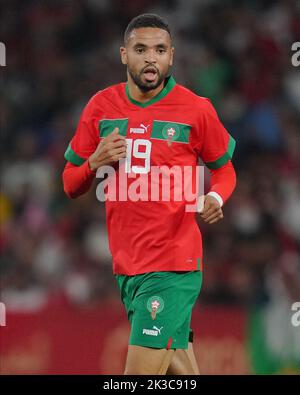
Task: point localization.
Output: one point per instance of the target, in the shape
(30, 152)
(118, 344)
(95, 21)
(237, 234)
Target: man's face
(148, 55)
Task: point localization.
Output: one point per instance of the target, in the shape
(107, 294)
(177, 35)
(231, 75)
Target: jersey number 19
(140, 149)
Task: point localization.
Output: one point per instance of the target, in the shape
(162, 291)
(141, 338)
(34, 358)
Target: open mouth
(150, 74)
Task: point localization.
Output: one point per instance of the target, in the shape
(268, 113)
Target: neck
(137, 94)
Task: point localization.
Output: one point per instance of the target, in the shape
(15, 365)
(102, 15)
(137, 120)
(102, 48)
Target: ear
(123, 54)
(172, 55)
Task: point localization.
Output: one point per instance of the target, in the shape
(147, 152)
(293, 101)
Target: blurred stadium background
(63, 309)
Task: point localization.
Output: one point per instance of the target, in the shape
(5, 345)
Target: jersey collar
(168, 87)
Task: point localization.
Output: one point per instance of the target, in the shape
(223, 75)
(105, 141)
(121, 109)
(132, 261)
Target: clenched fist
(109, 151)
(209, 209)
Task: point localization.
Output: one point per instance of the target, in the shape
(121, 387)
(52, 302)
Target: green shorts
(159, 307)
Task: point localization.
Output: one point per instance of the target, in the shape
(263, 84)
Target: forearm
(223, 181)
(77, 180)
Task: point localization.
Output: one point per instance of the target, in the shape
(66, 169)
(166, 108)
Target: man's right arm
(77, 180)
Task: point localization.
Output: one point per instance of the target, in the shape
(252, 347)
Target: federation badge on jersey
(155, 305)
(171, 132)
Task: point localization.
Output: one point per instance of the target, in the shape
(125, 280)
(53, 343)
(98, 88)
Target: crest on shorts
(171, 132)
(155, 305)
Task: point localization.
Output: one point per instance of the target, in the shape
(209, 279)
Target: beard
(146, 86)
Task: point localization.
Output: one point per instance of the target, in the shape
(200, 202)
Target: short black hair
(146, 20)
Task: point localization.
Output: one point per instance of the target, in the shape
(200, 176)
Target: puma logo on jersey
(158, 329)
(140, 130)
(152, 332)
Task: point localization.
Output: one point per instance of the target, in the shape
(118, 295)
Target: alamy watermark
(296, 56)
(157, 184)
(2, 54)
(2, 314)
(295, 319)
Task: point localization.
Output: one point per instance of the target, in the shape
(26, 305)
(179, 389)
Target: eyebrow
(161, 45)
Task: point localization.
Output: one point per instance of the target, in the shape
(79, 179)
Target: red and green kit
(174, 128)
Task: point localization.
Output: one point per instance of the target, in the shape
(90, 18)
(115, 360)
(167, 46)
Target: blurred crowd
(59, 53)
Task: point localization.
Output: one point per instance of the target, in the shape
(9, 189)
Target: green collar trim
(168, 87)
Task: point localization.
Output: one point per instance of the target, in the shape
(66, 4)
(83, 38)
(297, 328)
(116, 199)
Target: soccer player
(156, 245)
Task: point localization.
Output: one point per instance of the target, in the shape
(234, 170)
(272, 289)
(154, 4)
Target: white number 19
(133, 150)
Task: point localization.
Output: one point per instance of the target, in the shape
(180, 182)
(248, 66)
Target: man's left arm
(223, 182)
(215, 146)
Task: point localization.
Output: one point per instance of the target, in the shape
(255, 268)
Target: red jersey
(174, 128)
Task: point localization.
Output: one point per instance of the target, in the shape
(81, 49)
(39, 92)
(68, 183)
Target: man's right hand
(109, 151)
